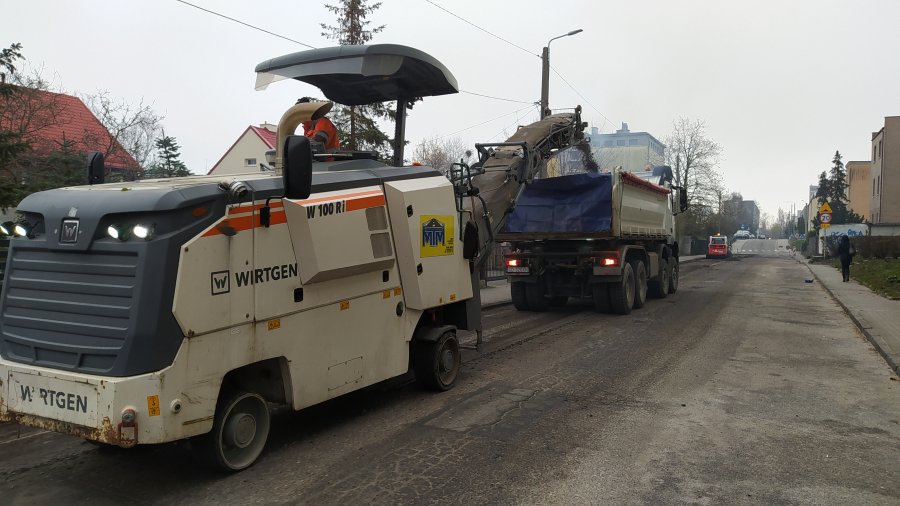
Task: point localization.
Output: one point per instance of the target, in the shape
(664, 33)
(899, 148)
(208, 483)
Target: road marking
(24, 437)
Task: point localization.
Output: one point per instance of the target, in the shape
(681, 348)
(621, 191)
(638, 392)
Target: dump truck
(155, 311)
(606, 236)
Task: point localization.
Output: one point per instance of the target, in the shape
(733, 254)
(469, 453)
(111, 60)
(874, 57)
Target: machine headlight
(20, 230)
(116, 232)
(142, 231)
(7, 228)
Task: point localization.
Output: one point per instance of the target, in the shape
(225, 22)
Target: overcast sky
(780, 84)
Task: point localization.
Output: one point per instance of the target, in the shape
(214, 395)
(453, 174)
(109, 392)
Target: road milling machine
(161, 310)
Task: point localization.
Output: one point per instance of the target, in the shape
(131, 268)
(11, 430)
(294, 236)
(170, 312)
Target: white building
(247, 152)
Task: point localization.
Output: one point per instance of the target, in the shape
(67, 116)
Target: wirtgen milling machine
(159, 310)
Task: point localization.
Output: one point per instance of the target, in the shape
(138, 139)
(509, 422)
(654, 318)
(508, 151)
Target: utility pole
(545, 73)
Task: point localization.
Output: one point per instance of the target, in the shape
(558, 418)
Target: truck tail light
(611, 260)
(517, 266)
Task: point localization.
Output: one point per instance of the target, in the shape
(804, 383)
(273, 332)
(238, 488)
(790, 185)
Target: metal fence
(494, 267)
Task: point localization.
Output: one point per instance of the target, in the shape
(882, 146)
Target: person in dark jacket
(845, 253)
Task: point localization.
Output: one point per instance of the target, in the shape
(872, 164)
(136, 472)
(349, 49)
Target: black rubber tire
(600, 292)
(517, 291)
(437, 364)
(673, 276)
(640, 283)
(534, 294)
(559, 301)
(659, 288)
(621, 294)
(228, 446)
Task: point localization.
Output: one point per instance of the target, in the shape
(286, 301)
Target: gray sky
(780, 84)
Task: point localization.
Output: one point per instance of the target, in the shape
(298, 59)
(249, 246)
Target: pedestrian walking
(845, 253)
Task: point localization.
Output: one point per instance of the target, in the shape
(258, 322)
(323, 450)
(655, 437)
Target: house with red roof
(247, 152)
(49, 121)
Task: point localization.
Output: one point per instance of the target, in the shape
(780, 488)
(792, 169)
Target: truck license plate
(65, 401)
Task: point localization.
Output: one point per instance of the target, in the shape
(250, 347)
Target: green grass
(880, 274)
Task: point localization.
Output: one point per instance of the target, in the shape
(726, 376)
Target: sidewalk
(878, 318)
(496, 293)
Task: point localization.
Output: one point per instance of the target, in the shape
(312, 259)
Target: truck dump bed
(589, 205)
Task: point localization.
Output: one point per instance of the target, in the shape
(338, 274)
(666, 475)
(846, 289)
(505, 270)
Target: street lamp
(545, 72)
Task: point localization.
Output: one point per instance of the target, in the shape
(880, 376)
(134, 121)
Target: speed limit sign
(825, 219)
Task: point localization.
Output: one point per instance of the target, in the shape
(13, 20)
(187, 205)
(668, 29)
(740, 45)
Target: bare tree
(695, 159)
(132, 127)
(440, 153)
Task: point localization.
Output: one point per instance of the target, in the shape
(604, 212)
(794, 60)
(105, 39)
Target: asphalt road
(747, 386)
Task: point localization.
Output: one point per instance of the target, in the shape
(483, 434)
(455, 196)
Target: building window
(620, 143)
(249, 162)
(873, 186)
(632, 142)
(881, 148)
(874, 152)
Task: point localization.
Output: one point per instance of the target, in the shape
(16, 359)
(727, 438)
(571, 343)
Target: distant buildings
(884, 177)
(859, 192)
(631, 150)
(247, 152)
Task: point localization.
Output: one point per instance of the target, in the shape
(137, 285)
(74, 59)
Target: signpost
(825, 215)
(824, 222)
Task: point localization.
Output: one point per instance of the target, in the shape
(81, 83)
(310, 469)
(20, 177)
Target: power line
(518, 118)
(464, 20)
(495, 98)
(246, 24)
(579, 94)
(488, 121)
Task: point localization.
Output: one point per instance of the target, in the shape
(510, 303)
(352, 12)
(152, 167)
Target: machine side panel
(428, 240)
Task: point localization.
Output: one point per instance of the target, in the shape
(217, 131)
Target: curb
(869, 337)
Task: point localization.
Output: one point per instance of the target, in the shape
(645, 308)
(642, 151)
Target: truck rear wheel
(534, 295)
(600, 292)
(659, 288)
(517, 291)
(640, 283)
(673, 275)
(437, 364)
(621, 294)
(239, 433)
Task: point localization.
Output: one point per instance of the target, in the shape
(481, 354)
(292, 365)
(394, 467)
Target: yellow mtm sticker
(386, 294)
(274, 324)
(437, 236)
(153, 405)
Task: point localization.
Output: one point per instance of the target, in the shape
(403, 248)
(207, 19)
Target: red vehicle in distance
(718, 247)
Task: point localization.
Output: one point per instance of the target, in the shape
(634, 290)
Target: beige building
(885, 173)
(859, 187)
(247, 152)
(633, 151)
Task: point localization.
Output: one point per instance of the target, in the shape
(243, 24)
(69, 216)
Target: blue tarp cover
(580, 203)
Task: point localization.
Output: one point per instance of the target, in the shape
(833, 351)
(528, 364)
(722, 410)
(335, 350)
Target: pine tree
(169, 162)
(837, 193)
(357, 125)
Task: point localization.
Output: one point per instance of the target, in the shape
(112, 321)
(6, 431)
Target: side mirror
(96, 170)
(297, 170)
(682, 199)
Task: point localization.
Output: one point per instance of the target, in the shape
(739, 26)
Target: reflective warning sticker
(274, 324)
(153, 405)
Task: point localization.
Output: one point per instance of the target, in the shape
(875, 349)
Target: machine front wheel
(239, 433)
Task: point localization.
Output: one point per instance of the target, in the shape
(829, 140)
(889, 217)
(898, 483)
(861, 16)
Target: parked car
(742, 234)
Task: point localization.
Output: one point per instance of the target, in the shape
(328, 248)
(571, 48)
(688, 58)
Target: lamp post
(545, 72)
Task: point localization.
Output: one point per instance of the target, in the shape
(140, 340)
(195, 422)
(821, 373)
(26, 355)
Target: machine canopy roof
(358, 75)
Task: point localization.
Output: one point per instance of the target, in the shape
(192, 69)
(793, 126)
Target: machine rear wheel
(659, 288)
(437, 364)
(621, 294)
(640, 283)
(517, 291)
